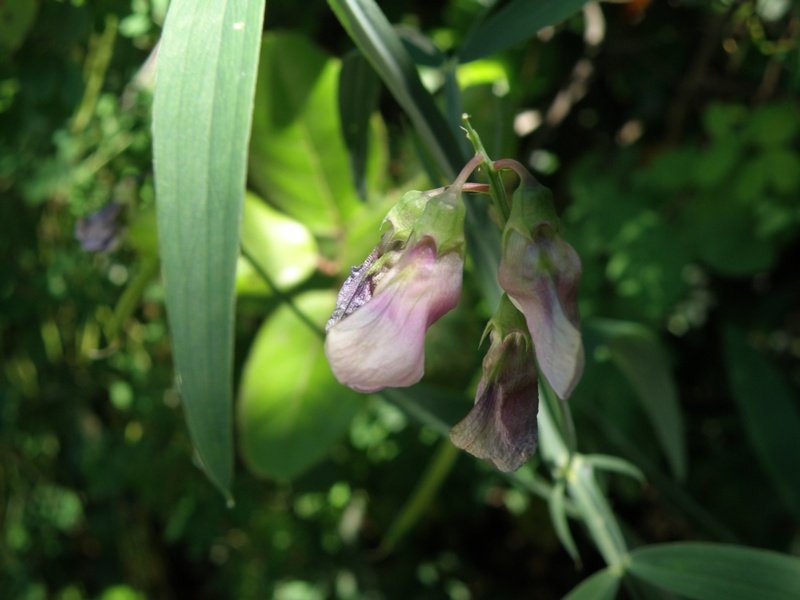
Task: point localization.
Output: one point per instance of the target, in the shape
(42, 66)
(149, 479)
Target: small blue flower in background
(99, 231)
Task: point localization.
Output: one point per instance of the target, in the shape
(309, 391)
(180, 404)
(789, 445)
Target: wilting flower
(99, 231)
(540, 272)
(376, 333)
(501, 427)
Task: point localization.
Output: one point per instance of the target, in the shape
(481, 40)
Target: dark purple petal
(501, 428)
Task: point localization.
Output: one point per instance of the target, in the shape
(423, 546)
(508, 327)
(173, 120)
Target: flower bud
(540, 272)
(376, 333)
(501, 427)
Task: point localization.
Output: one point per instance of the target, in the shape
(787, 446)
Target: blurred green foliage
(674, 151)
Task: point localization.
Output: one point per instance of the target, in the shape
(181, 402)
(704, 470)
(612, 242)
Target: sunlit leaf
(702, 571)
(201, 123)
(281, 247)
(291, 409)
(298, 161)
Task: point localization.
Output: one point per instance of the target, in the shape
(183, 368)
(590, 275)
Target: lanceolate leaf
(717, 571)
(769, 411)
(201, 122)
(602, 585)
(514, 23)
(637, 353)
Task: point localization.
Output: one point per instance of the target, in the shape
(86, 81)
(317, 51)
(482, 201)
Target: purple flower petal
(382, 343)
(501, 427)
(541, 276)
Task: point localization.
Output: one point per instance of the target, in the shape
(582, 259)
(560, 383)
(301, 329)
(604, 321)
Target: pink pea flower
(541, 272)
(375, 337)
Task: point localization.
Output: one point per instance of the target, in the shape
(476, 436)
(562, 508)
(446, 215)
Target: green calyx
(506, 320)
(532, 206)
(443, 221)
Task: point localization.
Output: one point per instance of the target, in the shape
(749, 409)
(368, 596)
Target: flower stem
(516, 166)
(497, 190)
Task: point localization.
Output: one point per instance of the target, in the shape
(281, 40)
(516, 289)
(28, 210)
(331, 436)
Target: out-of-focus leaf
(646, 265)
(201, 122)
(298, 160)
(429, 484)
(715, 164)
(291, 409)
(703, 571)
(770, 414)
(514, 23)
(359, 87)
(16, 19)
(723, 235)
(773, 124)
(637, 353)
(281, 247)
(603, 585)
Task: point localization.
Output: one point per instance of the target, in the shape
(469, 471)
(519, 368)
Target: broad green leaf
(16, 19)
(773, 124)
(770, 414)
(298, 160)
(514, 23)
(603, 585)
(722, 231)
(716, 163)
(637, 353)
(291, 409)
(201, 122)
(703, 571)
(282, 248)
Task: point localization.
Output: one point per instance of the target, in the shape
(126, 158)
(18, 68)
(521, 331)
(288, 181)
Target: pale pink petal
(382, 343)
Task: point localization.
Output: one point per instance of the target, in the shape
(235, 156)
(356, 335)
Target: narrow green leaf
(201, 122)
(769, 409)
(596, 512)
(603, 585)
(514, 23)
(615, 464)
(291, 409)
(298, 160)
(704, 571)
(558, 516)
(380, 44)
(637, 353)
(359, 87)
(282, 247)
(423, 495)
